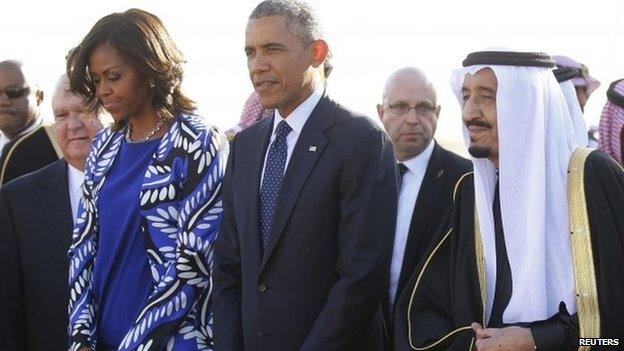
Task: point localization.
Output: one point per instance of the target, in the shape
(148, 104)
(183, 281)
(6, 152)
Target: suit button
(262, 288)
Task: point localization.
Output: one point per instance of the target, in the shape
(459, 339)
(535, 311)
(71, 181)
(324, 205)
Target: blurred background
(368, 41)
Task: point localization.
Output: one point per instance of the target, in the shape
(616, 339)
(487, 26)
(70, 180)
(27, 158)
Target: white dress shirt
(410, 187)
(296, 120)
(3, 141)
(75, 177)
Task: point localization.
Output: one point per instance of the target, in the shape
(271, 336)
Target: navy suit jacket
(35, 230)
(321, 281)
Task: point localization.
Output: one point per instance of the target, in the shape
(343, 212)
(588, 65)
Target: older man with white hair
(36, 219)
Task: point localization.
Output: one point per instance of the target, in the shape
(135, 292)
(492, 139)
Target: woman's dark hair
(142, 41)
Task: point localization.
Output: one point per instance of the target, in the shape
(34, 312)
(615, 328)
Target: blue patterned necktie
(272, 180)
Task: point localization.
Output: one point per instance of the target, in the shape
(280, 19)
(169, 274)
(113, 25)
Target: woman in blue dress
(141, 251)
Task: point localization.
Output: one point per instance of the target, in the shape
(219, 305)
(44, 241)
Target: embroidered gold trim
(582, 252)
(11, 150)
(49, 129)
(616, 163)
(409, 306)
(459, 182)
(480, 257)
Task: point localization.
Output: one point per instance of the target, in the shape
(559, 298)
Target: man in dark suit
(26, 145)
(36, 214)
(428, 172)
(301, 261)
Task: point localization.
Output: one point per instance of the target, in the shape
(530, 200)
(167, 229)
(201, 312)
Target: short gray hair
(300, 17)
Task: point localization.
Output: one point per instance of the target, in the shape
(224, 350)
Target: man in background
(26, 145)
(36, 219)
(428, 172)
(583, 85)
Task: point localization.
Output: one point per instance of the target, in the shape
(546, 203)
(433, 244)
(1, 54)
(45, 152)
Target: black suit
(433, 202)
(28, 153)
(320, 283)
(35, 230)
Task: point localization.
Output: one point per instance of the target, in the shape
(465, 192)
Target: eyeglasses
(402, 108)
(15, 92)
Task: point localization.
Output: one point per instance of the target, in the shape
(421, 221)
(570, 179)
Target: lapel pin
(312, 148)
(440, 173)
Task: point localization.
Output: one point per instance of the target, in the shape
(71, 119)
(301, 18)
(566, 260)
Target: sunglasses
(15, 92)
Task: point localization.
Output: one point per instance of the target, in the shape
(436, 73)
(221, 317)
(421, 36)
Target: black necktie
(503, 289)
(402, 170)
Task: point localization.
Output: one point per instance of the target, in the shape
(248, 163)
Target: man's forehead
(67, 101)
(410, 91)
(269, 29)
(11, 75)
(62, 87)
(411, 98)
(482, 79)
(64, 98)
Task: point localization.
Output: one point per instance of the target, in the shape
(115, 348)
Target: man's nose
(471, 111)
(74, 122)
(4, 99)
(258, 64)
(411, 116)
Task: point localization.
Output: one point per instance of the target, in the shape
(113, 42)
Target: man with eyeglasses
(26, 145)
(37, 212)
(428, 171)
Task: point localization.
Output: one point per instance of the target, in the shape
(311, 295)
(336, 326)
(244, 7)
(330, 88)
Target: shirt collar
(75, 178)
(3, 140)
(297, 119)
(418, 163)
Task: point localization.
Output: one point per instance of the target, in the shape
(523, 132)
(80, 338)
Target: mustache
(479, 124)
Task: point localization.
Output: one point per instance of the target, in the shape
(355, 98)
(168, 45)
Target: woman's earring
(151, 84)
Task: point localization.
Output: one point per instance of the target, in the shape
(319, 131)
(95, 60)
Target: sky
(368, 39)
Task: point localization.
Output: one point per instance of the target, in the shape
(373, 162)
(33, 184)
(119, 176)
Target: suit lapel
(255, 160)
(58, 209)
(309, 147)
(425, 202)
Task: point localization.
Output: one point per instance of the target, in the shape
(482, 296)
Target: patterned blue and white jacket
(180, 205)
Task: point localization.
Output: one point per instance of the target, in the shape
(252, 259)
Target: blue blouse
(122, 281)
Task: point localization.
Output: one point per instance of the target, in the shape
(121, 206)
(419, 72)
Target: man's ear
(320, 50)
(380, 111)
(39, 96)
(437, 111)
